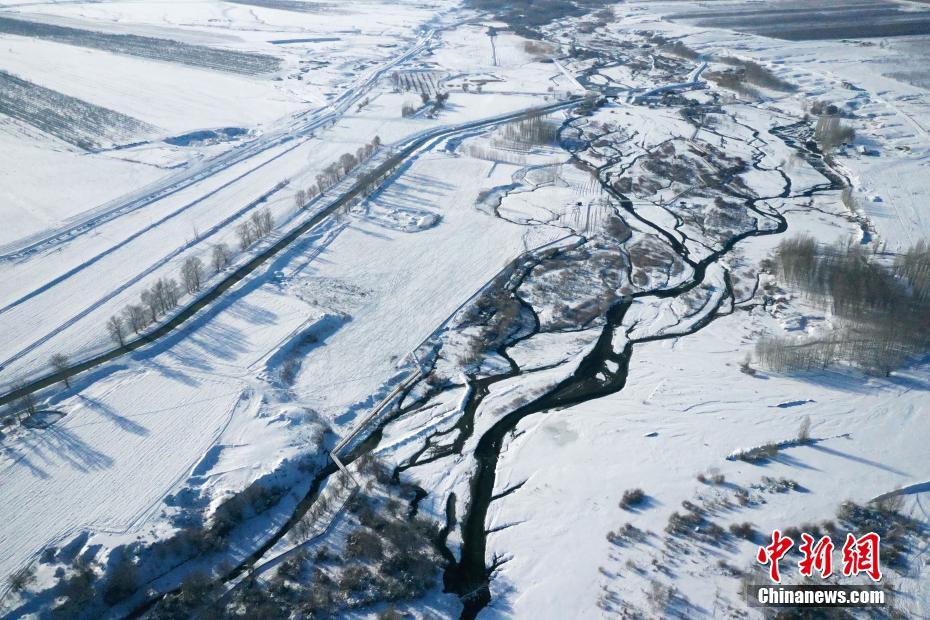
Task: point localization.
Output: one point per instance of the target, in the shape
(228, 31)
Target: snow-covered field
(568, 303)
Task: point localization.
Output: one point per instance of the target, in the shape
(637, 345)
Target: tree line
(534, 130)
(336, 172)
(884, 306)
(831, 132)
(165, 294)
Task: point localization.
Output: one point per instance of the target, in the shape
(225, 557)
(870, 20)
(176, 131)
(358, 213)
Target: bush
(363, 543)
(354, 578)
(289, 370)
(755, 73)
(804, 431)
(732, 80)
(632, 498)
(756, 455)
(123, 582)
(696, 526)
(714, 478)
(76, 591)
(22, 579)
(683, 524)
(743, 530)
(779, 485)
(626, 534)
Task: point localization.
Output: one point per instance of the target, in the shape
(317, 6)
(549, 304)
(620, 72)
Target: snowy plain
(325, 329)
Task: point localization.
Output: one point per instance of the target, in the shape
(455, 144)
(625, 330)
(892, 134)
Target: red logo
(773, 553)
(860, 555)
(817, 557)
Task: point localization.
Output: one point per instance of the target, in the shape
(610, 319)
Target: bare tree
(300, 198)
(192, 274)
(135, 317)
(59, 363)
(804, 431)
(152, 304)
(830, 132)
(347, 161)
(170, 293)
(246, 235)
(262, 222)
(163, 296)
(26, 403)
(220, 257)
(116, 328)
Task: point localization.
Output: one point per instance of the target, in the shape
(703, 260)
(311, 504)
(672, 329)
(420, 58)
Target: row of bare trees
(336, 171)
(424, 82)
(884, 308)
(161, 298)
(534, 130)
(830, 132)
(757, 74)
(258, 226)
(165, 294)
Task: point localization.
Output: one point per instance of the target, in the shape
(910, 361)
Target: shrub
(76, 590)
(289, 370)
(714, 477)
(755, 73)
(626, 534)
(632, 498)
(804, 431)
(756, 455)
(683, 524)
(780, 485)
(123, 581)
(22, 579)
(353, 578)
(886, 315)
(743, 530)
(363, 543)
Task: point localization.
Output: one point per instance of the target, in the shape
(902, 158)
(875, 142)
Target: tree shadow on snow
(108, 412)
(19, 457)
(860, 459)
(67, 446)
